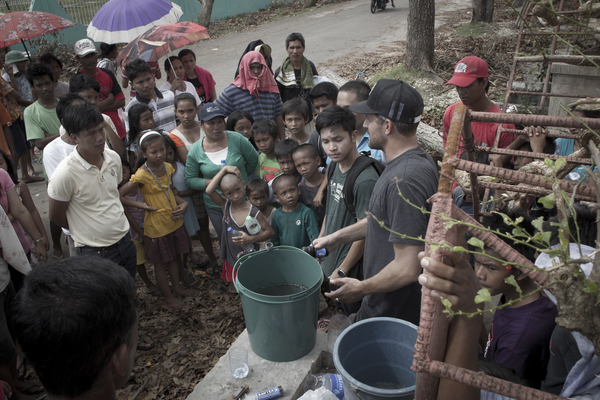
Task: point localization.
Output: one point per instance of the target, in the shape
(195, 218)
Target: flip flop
(56, 257)
(151, 290)
(145, 343)
(323, 325)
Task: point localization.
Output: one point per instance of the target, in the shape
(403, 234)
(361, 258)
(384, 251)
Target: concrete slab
(572, 79)
(218, 383)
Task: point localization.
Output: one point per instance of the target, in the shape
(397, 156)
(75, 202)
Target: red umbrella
(18, 26)
(161, 40)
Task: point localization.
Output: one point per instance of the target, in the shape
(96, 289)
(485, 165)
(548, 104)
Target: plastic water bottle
(252, 225)
(246, 249)
(222, 163)
(331, 382)
(271, 393)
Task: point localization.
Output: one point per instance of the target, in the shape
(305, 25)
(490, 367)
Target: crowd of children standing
(136, 189)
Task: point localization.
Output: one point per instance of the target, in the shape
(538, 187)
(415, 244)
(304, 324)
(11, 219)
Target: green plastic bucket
(281, 327)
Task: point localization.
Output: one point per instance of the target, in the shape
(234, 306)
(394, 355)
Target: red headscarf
(246, 79)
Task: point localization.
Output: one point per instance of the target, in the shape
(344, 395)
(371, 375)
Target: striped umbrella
(121, 21)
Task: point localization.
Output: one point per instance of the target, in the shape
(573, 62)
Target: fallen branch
(141, 388)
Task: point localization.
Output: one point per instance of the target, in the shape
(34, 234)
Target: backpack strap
(359, 165)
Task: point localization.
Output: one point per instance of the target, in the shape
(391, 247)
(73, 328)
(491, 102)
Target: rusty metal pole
(433, 326)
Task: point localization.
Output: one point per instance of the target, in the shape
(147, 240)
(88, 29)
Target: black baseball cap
(210, 111)
(392, 99)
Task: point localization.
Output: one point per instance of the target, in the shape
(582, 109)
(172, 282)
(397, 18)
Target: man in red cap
(472, 84)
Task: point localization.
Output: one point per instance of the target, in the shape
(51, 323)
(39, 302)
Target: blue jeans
(122, 253)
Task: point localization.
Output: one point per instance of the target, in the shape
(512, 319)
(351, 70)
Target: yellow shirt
(158, 223)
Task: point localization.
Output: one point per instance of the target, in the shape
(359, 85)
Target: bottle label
(320, 253)
(271, 393)
(337, 385)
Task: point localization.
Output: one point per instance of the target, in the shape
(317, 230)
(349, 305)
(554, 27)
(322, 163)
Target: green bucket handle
(244, 258)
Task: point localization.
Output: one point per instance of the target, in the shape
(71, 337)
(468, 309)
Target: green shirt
(39, 121)
(267, 166)
(240, 153)
(337, 215)
(295, 228)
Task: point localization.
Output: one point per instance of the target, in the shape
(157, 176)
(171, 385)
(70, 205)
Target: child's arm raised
(211, 189)
(266, 234)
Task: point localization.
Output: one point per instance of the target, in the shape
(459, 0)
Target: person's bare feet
(175, 304)
(186, 292)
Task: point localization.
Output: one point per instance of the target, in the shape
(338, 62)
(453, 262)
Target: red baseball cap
(467, 70)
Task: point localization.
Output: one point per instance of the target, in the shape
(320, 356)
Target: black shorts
(17, 129)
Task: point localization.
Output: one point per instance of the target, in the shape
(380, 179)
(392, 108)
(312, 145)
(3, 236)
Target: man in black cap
(391, 266)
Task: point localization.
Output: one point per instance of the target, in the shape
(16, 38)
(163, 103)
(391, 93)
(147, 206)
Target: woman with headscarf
(255, 91)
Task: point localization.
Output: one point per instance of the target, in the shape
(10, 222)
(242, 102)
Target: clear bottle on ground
(331, 382)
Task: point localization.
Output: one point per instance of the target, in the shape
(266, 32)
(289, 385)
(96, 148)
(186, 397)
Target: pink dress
(7, 184)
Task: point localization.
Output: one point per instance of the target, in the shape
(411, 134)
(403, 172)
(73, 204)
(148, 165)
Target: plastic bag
(319, 394)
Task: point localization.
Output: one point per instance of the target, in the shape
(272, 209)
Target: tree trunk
(310, 3)
(205, 13)
(420, 35)
(483, 10)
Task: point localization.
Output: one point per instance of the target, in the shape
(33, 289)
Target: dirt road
(345, 29)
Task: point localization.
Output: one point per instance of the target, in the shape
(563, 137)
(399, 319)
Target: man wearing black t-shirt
(294, 76)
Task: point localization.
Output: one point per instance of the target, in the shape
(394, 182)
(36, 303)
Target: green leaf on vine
(446, 303)
(591, 287)
(512, 281)
(549, 162)
(547, 201)
(559, 163)
(538, 223)
(483, 295)
(459, 249)
(476, 243)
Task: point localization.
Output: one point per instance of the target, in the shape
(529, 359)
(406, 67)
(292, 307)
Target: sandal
(213, 270)
(145, 343)
(323, 325)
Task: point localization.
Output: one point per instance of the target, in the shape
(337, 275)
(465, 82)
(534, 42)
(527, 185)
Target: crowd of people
(282, 156)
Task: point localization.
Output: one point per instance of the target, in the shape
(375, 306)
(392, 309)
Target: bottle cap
(229, 229)
(248, 218)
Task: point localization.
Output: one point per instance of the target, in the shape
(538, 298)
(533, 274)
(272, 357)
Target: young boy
(235, 210)
(111, 95)
(296, 115)
(520, 334)
(42, 124)
(284, 150)
(89, 88)
(257, 192)
(266, 135)
(336, 126)
(307, 164)
(18, 80)
(294, 223)
(162, 103)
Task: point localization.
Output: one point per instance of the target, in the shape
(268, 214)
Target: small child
(257, 192)
(241, 121)
(284, 149)
(189, 218)
(266, 135)
(307, 164)
(235, 210)
(294, 224)
(165, 236)
(140, 120)
(296, 114)
(135, 216)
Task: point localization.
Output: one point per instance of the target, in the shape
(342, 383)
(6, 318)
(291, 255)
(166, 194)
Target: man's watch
(341, 273)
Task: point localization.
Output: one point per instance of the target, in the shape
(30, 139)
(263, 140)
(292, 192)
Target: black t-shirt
(199, 88)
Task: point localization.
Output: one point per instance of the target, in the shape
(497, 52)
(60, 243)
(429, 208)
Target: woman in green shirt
(218, 148)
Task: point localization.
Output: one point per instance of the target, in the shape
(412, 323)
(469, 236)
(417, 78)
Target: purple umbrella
(121, 21)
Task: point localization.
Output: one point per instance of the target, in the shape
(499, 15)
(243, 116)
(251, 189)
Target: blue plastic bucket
(281, 327)
(374, 358)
